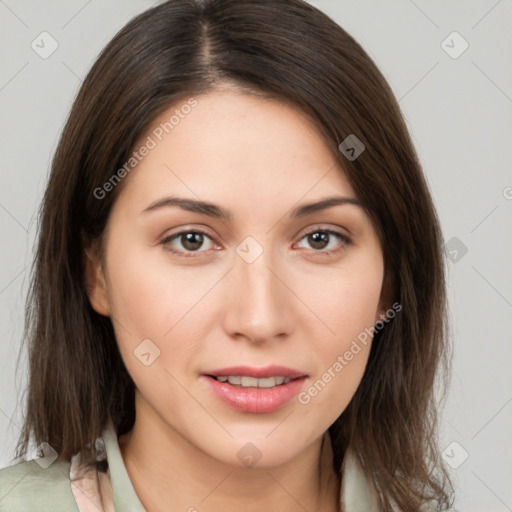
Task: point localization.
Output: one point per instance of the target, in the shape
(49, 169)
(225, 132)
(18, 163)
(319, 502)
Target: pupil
(192, 241)
(319, 240)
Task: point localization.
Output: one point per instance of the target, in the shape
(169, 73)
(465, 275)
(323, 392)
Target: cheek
(346, 302)
(152, 305)
(147, 294)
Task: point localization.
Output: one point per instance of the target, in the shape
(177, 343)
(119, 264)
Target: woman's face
(254, 279)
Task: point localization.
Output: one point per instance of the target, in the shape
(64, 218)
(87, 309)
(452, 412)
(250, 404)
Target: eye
(190, 241)
(324, 240)
(186, 243)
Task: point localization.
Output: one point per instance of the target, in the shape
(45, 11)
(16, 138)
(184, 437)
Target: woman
(238, 297)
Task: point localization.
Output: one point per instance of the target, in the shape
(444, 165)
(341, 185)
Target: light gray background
(459, 111)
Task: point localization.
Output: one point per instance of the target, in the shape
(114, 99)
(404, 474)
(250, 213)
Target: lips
(257, 373)
(256, 399)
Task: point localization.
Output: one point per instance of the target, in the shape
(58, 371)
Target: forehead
(234, 147)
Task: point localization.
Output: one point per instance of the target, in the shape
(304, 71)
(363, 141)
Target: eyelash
(344, 239)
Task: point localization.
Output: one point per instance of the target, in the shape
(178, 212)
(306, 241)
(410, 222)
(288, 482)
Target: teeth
(252, 382)
(269, 382)
(247, 382)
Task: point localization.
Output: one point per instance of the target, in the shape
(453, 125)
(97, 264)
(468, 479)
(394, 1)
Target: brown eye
(322, 239)
(187, 242)
(192, 241)
(319, 239)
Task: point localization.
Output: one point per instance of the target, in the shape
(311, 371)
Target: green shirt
(67, 487)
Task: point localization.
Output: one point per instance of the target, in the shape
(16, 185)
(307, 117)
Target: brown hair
(284, 49)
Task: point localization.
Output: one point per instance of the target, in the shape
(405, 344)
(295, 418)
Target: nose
(258, 304)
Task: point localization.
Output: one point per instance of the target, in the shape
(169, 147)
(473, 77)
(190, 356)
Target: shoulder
(30, 486)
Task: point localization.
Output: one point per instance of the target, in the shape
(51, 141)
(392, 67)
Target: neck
(165, 468)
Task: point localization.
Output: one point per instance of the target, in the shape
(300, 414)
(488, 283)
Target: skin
(294, 305)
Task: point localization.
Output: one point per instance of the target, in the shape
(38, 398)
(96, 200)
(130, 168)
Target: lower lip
(255, 400)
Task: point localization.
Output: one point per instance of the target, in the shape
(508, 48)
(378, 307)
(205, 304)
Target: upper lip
(258, 373)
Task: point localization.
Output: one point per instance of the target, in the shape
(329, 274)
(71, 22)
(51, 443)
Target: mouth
(255, 390)
(243, 381)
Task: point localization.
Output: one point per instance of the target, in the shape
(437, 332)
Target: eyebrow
(212, 210)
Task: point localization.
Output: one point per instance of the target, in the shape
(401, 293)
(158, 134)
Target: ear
(95, 282)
